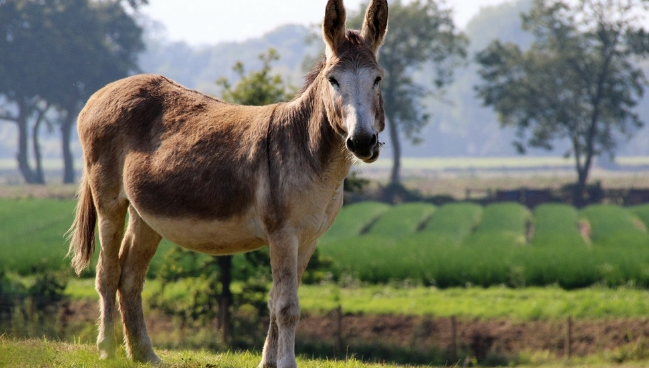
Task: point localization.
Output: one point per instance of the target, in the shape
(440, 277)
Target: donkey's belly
(217, 237)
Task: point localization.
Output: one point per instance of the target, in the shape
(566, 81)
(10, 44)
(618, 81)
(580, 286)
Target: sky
(206, 22)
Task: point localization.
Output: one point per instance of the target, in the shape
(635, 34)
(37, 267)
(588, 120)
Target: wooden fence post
(453, 340)
(568, 342)
(339, 329)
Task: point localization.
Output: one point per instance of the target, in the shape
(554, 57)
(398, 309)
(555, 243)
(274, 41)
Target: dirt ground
(480, 337)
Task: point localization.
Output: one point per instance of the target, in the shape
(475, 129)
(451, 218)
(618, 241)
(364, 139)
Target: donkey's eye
(334, 82)
(376, 81)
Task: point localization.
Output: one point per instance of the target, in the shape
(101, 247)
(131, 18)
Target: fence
(461, 340)
(533, 197)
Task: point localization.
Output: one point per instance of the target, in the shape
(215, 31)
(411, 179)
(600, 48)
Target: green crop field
(402, 220)
(453, 245)
(33, 235)
(452, 223)
(556, 225)
(501, 244)
(355, 220)
(614, 226)
(502, 224)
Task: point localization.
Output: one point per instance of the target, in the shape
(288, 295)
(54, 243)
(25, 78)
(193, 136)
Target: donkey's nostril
(374, 140)
(350, 144)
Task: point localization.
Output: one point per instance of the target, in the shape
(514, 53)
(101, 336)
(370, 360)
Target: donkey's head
(353, 77)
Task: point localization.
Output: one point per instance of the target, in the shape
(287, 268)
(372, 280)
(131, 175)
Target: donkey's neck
(304, 121)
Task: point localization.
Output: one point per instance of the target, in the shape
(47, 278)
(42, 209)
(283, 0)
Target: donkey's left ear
(375, 24)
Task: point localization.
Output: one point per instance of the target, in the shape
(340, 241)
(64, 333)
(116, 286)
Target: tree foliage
(258, 88)
(57, 53)
(420, 34)
(578, 80)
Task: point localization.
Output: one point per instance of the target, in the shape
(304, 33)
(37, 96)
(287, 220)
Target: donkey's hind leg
(140, 244)
(111, 215)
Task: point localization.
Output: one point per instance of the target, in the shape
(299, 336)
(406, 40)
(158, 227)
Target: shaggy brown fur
(222, 178)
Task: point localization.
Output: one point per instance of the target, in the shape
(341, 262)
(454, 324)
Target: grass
(641, 212)
(531, 303)
(503, 224)
(454, 222)
(551, 303)
(354, 219)
(402, 220)
(43, 353)
(556, 225)
(33, 233)
(453, 245)
(615, 226)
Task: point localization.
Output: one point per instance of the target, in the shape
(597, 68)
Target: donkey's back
(182, 159)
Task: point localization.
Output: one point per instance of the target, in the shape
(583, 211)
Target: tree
(577, 81)
(420, 34)
(258, 88)
(55, 53)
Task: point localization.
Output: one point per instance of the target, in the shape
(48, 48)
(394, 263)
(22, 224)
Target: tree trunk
(36, 146)
(395, 177)
(23, 144)
(580, 188)
(225, 300)
(68, 160)
(66, 133)
(38, 156)
(583, 169)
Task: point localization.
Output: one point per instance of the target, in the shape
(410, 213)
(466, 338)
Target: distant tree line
(53, 55)
(578, 80)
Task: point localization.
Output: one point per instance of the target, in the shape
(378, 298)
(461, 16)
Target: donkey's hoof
(146, 358)
(104, 355)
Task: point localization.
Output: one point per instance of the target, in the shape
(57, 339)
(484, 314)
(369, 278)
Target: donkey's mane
(312, 75)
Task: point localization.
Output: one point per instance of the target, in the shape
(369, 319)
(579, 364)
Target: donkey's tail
(82, 232)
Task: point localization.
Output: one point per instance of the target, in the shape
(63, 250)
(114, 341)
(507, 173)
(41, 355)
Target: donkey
(220, 178)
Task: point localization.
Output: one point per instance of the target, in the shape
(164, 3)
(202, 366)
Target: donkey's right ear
(333, 27)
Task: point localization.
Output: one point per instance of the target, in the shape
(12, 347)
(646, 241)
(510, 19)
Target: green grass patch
(453, 222)
(615, 226)
(641, 212)
(503, 224)
(33, 233)
(402, 220)
(556, 225)
(353, 219)
(453, 245)
(43, 353)
(547, 303)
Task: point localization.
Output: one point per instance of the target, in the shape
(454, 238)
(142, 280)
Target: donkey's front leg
(284, 305)
(269, 354)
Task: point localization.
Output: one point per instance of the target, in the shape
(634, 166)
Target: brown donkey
(221, 178)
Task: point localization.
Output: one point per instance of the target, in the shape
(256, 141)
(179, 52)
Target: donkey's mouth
(374, 157)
